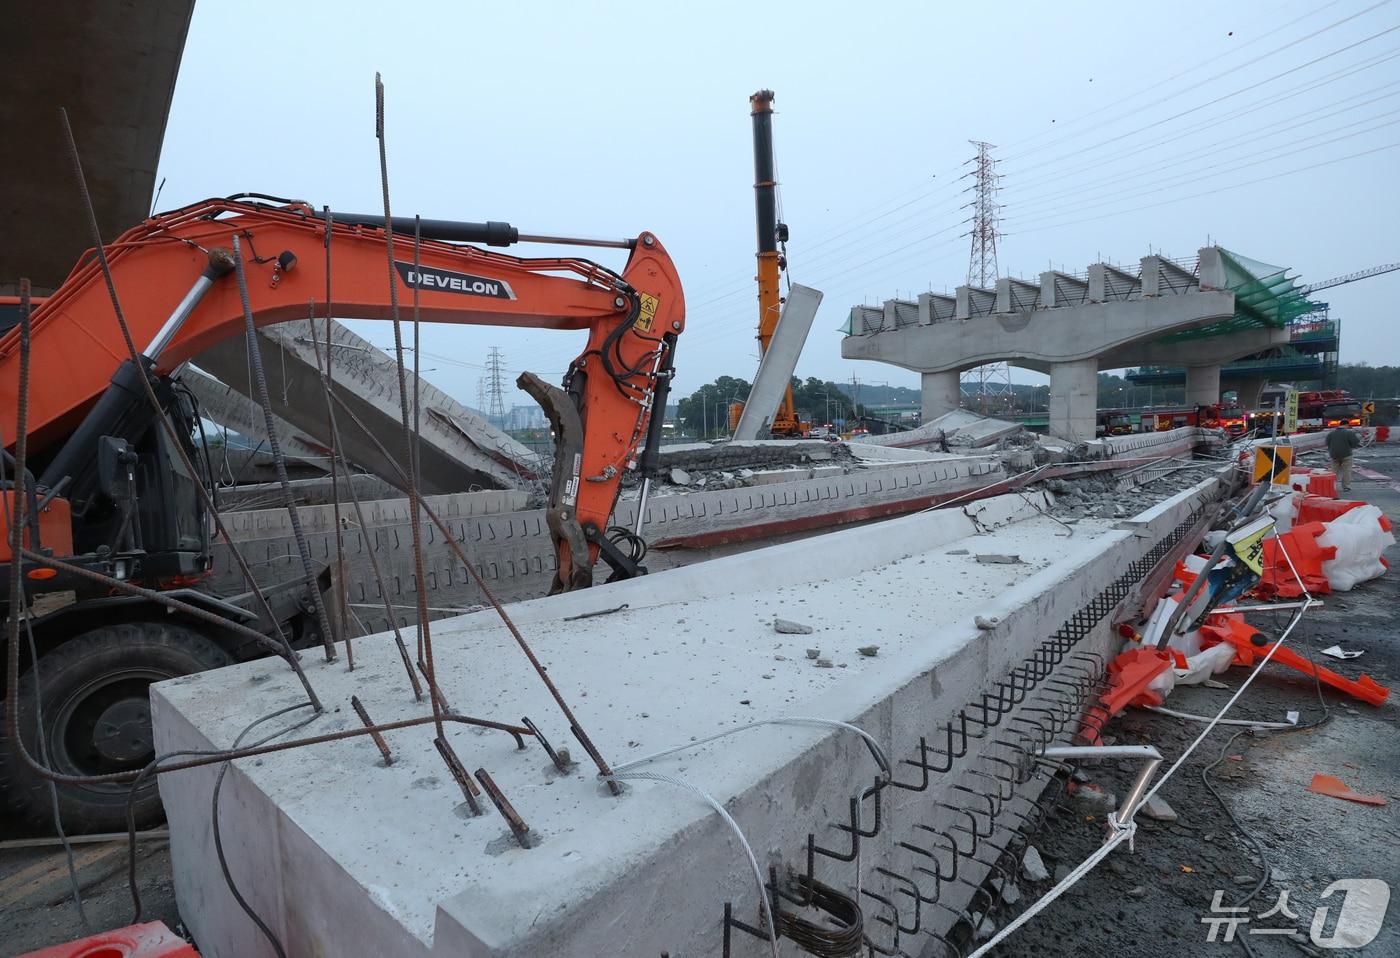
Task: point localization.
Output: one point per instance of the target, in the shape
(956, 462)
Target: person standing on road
(1340, 443)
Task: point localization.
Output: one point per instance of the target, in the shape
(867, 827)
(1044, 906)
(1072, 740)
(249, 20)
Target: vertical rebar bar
(420, 584)
(327, 387)
(341, 598)
(275, 447)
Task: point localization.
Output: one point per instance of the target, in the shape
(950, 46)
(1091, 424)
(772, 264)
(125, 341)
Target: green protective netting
(1265, 295)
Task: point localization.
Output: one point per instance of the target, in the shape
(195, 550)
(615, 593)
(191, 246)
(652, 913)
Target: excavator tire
(97, 719)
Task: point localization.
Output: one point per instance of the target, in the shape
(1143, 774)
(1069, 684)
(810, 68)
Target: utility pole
(982, 272)
(495, 389)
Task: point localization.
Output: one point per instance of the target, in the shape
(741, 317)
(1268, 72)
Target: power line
(1225, 96)
(1223, 189)
(1250, 137)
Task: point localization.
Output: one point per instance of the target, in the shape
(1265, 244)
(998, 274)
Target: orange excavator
(108, 493)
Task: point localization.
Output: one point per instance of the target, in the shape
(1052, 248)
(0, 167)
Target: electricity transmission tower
(993, 379)
(495, 389)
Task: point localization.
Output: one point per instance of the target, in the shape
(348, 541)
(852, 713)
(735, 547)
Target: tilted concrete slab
(231, 409)
(956, 428)
(460, 451)
(779, 361)
(342, 855)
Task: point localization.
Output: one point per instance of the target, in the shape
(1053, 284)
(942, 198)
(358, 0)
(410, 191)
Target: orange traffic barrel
(148, 940)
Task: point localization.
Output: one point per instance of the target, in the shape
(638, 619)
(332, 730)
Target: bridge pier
(1074, 398)
(1203, 385)
(940, 393)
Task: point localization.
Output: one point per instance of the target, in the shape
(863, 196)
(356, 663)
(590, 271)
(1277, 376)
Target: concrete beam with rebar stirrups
(1068, 326)
(460, 450)
(779, 360)
(340, 854)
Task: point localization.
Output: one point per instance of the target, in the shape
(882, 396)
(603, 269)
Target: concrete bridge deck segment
(459, 451)
(1068, 326)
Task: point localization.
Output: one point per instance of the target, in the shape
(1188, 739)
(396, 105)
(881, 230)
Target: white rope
(1124, 833)
(1206, 718)
(733, 826)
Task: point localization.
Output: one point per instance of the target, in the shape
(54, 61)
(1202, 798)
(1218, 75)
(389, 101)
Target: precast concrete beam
(900, 313)
(1210, 268)
(975, 301)
(232, 410)
(599, 875)
(459, 451)
(1058, 290)
(1203, 385)
(779, 360)
(1113, 284)
(1074, 399)
(1016, 295)
(936, 308)
(941, 393)
(1162, 277)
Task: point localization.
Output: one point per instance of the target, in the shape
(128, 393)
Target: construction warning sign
(1272, 463)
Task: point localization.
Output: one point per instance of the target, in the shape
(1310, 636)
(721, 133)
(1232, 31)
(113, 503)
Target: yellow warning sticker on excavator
(646, 315)
(1272, 464)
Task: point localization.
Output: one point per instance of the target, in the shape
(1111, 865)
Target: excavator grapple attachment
(574, 570)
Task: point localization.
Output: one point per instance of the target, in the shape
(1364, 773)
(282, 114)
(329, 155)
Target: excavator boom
(170, 274)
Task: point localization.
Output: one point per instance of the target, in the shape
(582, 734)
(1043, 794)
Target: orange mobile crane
(771, 263)
(112, 501)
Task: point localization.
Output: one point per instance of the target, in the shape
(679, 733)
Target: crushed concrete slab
(1157, 809)
(1032, 866)
(789, 627)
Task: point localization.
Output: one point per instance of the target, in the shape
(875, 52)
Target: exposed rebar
(278, 460)
(425, 638)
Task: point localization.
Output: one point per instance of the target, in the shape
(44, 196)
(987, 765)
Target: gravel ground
(1152, 901)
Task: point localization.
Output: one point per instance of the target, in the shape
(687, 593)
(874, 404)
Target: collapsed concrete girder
(232, 410)
(460, 450)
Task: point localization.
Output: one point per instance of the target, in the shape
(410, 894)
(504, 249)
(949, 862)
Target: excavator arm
(171, 275)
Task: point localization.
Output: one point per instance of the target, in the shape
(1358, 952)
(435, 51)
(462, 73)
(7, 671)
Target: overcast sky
(1120, 131)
